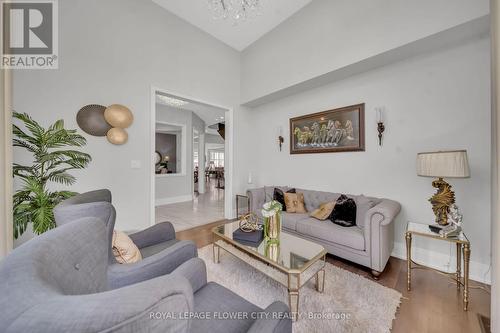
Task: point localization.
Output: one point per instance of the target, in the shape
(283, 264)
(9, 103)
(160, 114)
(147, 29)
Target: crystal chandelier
(236, 10)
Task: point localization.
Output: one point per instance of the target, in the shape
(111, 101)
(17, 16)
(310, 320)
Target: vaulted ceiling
(237, 36)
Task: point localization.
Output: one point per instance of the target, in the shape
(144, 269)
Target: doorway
(191, 172)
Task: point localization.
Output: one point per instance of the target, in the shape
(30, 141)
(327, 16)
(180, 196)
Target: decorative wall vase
(91, 120)
(118, 115)
(117, 136)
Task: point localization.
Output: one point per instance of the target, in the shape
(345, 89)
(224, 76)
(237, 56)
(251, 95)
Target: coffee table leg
(216, 251)
(320, 281)
(293, 294)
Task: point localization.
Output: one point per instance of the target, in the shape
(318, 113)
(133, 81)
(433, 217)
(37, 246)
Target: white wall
(327, 35)
(437, 101)
(171, 188)
(113, 52)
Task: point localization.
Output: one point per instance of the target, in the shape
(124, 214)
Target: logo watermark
(29, 34)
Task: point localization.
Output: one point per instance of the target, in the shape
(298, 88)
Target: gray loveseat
(369, 243)
(58, 282)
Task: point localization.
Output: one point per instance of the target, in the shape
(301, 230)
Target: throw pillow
(344, 213)
(124, 250)
(279, 196)
(363, 205)
(324, 211)
(294, 203)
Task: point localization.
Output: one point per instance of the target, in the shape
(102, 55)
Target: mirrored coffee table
(292, 261)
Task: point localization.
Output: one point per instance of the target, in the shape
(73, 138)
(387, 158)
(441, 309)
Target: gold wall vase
(442, 200)
(272, 226)
(117, 136)
(118, 115)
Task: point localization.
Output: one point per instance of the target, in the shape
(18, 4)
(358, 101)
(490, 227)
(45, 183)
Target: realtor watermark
(29, 34)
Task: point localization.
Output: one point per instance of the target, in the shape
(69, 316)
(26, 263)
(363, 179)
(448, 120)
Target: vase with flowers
(271, 211)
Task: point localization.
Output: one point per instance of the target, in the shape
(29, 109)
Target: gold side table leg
(458, 275)
(293, 295)
(466, 249)
(408, 259)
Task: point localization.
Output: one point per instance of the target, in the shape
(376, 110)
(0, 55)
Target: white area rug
(354, 303)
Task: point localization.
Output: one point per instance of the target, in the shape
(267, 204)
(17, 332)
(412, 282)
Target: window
(217, 158)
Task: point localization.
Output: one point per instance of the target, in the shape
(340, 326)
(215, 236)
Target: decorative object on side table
(441, 164)
(331, 131)
(271, 211)
(380, 125)
(463, 248)
(34, 202)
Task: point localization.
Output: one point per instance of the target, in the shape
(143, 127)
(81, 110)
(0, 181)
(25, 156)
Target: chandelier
(236, 10)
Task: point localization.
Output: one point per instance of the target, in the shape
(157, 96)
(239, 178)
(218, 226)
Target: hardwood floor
(433, 305)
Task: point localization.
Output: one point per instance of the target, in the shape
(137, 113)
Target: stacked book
(253, 238)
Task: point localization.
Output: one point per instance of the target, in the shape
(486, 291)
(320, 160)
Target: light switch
(135, 164)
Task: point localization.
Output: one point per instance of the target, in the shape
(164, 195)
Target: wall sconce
(380, 124)
(281, 139)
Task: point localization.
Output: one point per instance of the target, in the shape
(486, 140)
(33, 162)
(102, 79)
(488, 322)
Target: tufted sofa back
(90, 204)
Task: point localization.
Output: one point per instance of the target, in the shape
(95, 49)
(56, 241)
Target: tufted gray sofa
(57, 282)
(369, 243)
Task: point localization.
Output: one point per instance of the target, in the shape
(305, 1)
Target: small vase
(272, 226)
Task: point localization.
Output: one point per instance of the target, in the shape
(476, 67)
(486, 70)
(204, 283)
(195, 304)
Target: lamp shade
(441, 164)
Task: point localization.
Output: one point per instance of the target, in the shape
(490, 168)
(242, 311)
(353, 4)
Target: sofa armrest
(257, 197)
(195, 271)
(379, 232)
(136, 308)
(388, 209)
(162, 263)
(158, 233)
(276, 318)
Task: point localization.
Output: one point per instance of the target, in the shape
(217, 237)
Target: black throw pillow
(344, 213)
(279, 196)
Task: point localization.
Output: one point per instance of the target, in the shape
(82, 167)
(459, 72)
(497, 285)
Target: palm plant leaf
(33, 203)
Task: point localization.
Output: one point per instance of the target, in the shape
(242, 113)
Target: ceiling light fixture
(172, 101)
(235, 10)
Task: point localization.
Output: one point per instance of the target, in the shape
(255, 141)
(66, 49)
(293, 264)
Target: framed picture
(330, 131)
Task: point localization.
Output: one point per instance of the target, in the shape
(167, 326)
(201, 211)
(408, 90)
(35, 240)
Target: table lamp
(443, 164)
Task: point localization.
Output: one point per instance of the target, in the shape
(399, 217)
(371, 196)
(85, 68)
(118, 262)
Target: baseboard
(477, 271)
(171, 200)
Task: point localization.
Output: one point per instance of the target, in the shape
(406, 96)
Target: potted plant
(271, 211)
(34, 202)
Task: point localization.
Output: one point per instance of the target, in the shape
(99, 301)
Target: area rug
(350, 302)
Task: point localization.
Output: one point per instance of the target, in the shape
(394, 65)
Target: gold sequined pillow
(294, 203)
(324, 211)
(124, 249)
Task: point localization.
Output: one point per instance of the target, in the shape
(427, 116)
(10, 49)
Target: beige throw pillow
(324, 211)
(124, 250)
(294, 203)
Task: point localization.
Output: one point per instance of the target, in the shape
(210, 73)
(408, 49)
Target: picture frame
(332, 131)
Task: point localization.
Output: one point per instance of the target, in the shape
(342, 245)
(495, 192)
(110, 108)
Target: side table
(463, 250)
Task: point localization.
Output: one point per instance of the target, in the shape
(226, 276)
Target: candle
(379, 115)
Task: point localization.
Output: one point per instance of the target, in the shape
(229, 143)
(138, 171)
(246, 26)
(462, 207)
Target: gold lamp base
(442, 200)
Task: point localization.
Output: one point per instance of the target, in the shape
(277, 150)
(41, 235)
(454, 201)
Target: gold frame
(293, 290)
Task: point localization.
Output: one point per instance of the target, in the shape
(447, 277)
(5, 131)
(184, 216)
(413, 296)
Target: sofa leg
(376, 274)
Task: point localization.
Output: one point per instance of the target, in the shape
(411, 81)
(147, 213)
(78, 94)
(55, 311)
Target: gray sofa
(57, 282)
(369, 243)
(160, 250)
